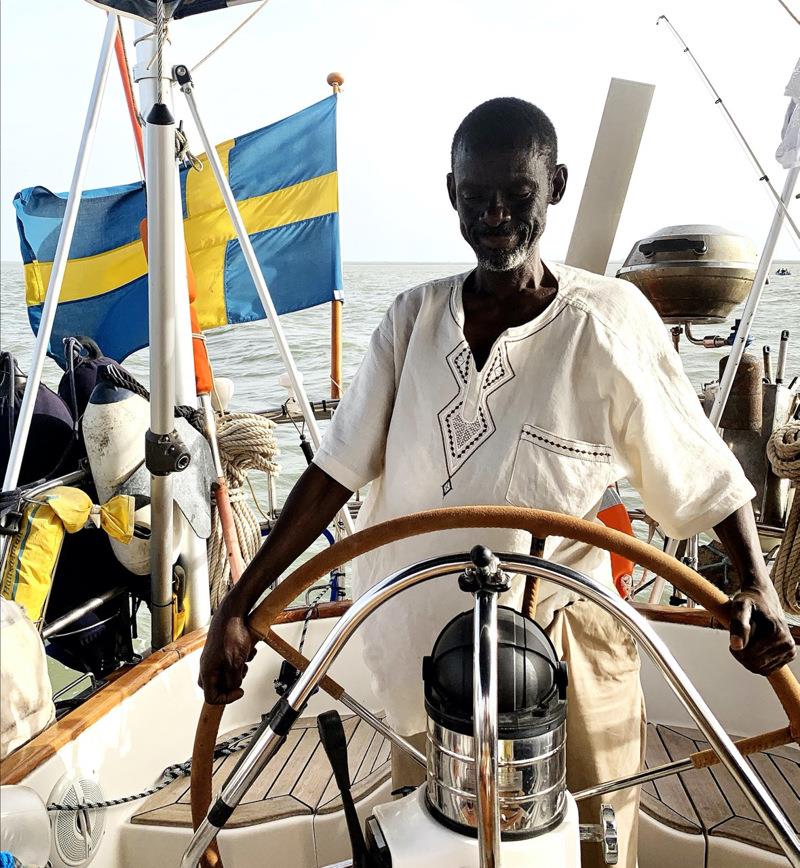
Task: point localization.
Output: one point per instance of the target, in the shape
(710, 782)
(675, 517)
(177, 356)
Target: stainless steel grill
(692, 273)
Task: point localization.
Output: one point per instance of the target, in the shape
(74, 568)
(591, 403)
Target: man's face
(501, 198)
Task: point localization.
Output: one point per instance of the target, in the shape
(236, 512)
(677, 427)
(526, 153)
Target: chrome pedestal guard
(286, 711)
(484, 705)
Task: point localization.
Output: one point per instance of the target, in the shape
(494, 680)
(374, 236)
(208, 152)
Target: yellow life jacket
(33, 553)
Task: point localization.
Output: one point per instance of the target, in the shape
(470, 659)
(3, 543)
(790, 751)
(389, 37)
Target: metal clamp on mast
(165, 453)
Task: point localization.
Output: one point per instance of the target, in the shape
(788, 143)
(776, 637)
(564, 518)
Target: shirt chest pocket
(558, 473)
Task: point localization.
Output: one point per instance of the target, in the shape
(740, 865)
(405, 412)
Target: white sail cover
(26, 697)
(788, 153)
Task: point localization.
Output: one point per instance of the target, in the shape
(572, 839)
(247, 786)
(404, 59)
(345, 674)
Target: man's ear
(558, 184)
(451, 188)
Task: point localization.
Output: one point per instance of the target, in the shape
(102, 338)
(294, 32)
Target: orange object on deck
(613, 514)
(336, 349)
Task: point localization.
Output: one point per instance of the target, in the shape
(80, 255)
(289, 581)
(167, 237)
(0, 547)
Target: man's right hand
(223, 663)
(309, 508)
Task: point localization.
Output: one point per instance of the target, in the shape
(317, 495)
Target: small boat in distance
(783, 271)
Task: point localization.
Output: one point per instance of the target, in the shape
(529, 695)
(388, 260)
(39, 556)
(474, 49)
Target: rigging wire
(742, 140)
(230, 36)
(796, 19)
(160, 51)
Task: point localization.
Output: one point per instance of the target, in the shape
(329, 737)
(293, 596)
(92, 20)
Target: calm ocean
(248, 356)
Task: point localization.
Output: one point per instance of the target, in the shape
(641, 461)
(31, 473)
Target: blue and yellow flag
(285, 181)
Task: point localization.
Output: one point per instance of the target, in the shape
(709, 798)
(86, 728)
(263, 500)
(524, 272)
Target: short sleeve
(689, 480)
(352, 450)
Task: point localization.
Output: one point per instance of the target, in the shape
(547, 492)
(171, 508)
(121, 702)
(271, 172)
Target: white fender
(24, 825)
(114, 427)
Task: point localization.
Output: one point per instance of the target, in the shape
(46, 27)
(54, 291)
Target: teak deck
(707, 801)
(297, 781)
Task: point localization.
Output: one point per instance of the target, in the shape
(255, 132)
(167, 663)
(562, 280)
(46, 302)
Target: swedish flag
(284, 178)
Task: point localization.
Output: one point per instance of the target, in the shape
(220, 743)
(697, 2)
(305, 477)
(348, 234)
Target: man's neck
(530, 278)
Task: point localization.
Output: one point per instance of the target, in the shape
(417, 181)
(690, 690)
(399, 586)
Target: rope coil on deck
(783, 452)
(246, 442)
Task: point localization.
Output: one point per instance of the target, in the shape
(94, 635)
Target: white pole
(743, 332)
(160, 174)
(144, 75)
(670, 548)
(60, 259)
(256, 274)
(753, 300)
(194, 555)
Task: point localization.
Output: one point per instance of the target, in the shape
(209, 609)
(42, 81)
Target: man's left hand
(760, 638)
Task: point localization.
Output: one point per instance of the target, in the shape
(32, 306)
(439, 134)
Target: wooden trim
(19, 764)
(690, 617)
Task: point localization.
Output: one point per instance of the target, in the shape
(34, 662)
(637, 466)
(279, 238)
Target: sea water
(248, 355)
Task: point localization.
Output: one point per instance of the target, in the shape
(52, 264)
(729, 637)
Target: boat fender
(613, 514)
(26, 696)
(24, 826)
(114, 427)
(222, 395)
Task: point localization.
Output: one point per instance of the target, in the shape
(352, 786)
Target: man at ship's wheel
(528, 383)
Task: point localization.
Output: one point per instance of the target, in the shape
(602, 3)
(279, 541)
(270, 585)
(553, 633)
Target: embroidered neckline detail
(462, 438)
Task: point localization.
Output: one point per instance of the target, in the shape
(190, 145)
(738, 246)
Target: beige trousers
(605, 721)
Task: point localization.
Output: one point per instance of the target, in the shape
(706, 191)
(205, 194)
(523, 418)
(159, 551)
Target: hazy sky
(413, 69)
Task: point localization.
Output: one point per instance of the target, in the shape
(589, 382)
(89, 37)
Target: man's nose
(496, 212)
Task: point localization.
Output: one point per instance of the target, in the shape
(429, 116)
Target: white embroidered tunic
(589, 392)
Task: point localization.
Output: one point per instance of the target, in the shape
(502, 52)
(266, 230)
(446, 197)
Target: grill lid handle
(673, 245)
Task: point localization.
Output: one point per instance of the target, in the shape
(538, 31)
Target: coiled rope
(783, 452)
(246, 442)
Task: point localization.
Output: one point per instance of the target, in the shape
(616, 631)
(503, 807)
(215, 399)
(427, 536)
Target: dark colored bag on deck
(85, 360)
(50, 448)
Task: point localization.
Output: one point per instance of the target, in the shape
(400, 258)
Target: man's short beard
(503, 260)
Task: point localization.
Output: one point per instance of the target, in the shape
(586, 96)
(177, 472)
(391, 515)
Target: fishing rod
(740, 135)
(796, 19)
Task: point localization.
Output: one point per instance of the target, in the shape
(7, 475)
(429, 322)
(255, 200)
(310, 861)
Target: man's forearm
(309, 509)
(739, 536)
